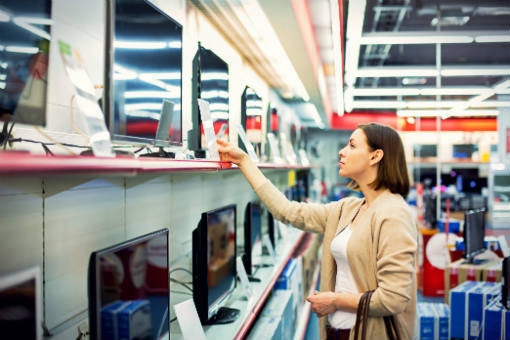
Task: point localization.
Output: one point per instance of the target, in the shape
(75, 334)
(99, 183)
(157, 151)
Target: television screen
(144, 68)
(424, 150)
(474, 233)
(214, 262)
(24, 59)
(251, 116)
(464, 150)
(20, 305)
(252, 237)
(129, 283)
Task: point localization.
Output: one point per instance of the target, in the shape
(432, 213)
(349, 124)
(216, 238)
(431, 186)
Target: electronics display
(251, 117)
(464, 150)
(214, 265)
(424, 150)
(128, 285)
(20, 305)
(505, 287)
(210, 83)
(143, 68)
(25, 33)
(474, 234)
(252, 237)
(272, 228)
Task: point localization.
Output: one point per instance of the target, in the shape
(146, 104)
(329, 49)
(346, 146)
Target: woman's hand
(323, 303)
(230, 153)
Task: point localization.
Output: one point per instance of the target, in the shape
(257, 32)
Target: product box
(134, 321)
(267, 327)
(458, 312)
(432, 321)
(453, 225)
(290, 279)
(478, 298)
(280, 305)
(497, 321)
(492, 272)
(109, 328)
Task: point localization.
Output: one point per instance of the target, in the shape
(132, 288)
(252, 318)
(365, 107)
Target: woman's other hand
(323, 303)
(230, 153)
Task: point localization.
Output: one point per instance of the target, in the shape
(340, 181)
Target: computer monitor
(209, 82)
(252, 237)
(143, 68)
(214, 265)
(25, 33)
(129, 281)
(505, 287)
(272, 229)
(21, 305)
(464, 150)
(474, 234)
(424, 150)
(251, 117)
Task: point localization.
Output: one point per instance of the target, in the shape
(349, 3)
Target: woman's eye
(352, 145)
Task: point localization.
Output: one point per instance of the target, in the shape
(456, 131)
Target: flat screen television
(143, 69)
(474, 234)
(209, 82)
(505, 287)
(129, 281)
(251, 118)
(252, 237)
(21, 305)
(214, 265)
(25, 33)
(424, 150)
(272, 229)
(464, 150)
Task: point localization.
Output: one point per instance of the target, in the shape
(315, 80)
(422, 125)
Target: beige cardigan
(381, 251)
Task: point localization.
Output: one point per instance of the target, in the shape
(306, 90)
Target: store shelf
(21, 163)
(251, 308)
(306, 309)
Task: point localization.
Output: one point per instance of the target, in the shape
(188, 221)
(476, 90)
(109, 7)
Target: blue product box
(285, 279)
(134, 321)
(478, 298)
(453, 225)
(442, 321)
(424, 328)
(458, 306)
(109, 329)
(280, 305)
(497, 321)
(292, 279)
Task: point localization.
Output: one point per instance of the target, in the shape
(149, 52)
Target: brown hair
(392, 173)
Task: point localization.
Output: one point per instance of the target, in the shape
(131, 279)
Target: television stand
(475, 261)
(252, 278)
(223, 316)
(159, 154)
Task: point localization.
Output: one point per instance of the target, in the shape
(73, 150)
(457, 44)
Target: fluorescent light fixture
(436, 113)
(140, 45)
(214, 76)
(394, 91)
(503, 38)
(424, 104)
(403, 38)
(3, 64)
(28, 22)
(4, 16)
(3, 76)
(2, 85)
(22, 49)
(2, 48)
(481, 70)
(175, 44)
(337, 56)
(427, 91)
(431, 71)
(356, 15)
(150, 94)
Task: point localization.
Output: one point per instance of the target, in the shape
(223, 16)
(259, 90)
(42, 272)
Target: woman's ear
(376, 157)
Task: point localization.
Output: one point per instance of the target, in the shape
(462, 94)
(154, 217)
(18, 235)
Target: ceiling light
(414, 81)
(431, 71)
(502, 38)
(4, 17)
(405, 39)
(140, 45)
(29, 22)
(480, 70)
(386, 92)
(22, 49)
(436, 113)
(423, 104)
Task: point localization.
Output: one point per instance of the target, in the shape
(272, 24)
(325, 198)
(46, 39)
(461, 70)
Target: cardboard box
(280, 306)
(492, 272)
(478, 298)
(458, 315)
(290, 279)
(109, 329)
(442, 321)
(497, 321)
(126, 320)
(432, 321)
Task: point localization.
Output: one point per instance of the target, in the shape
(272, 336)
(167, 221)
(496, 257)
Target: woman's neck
(369, 193)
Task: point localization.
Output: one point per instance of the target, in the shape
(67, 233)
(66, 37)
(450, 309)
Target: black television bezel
(195, 133)
(505, 286)
(92, 278)
(469, 256)
(271, 229)
(420, 147)
(199, 264)
(248, 230)
(108, 101)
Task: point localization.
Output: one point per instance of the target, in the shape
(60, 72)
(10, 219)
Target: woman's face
(355, 156)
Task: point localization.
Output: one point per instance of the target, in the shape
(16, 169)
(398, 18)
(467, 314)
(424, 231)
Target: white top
(344, 280)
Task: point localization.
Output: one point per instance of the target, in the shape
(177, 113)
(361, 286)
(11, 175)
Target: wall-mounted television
(210, 82)
(25, 34)
(424, 150)
(214, 265)
(21, 305)
(143, 68)
(130, 281)
(251, 117)
(474, 234)
(464, 150)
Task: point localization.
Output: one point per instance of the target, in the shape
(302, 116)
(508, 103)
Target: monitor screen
(144, 69)
(424, 150)
(464, 150)
(251, 115)
(24, 60)
(129, 281)
(474, 233)
(20, 305)
(220, 255)
(505, 287)
(256, 231)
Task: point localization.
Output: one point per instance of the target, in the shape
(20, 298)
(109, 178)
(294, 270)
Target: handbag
(362, 317)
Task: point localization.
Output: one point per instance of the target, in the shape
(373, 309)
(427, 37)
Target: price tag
(245, 283)
(210, 137)
(188, 319)
(246, 142)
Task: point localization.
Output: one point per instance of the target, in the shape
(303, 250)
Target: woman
(369, 243)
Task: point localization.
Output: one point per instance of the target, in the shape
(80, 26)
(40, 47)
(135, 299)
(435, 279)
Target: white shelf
(249, 309)
(306, 309)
